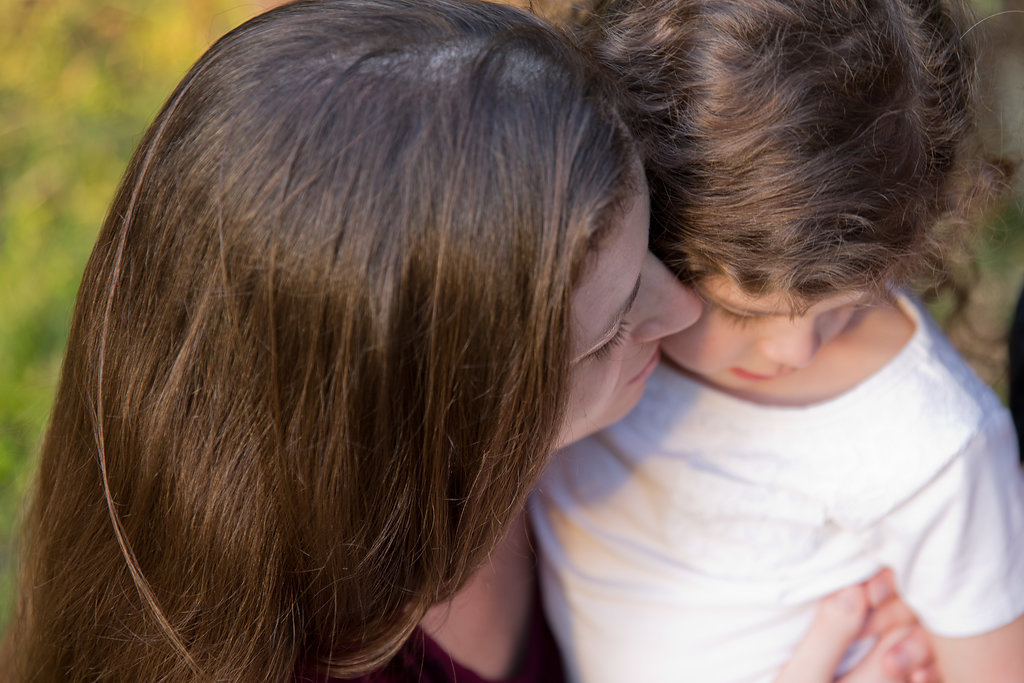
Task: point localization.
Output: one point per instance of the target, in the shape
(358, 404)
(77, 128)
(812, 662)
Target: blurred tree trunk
(1001, 115)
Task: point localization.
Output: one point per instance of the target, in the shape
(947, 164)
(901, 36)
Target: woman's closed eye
(602, 352)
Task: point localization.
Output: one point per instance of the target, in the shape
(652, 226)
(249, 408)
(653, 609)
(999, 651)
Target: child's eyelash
(606, 348)
(736, 318)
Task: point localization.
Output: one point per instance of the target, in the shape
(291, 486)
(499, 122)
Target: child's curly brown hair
(804, 147)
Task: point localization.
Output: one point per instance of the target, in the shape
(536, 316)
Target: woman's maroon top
(421, 659)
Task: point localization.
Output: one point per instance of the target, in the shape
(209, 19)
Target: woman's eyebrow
(616, 321)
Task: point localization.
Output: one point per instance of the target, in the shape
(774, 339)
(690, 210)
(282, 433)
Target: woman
(367, 268)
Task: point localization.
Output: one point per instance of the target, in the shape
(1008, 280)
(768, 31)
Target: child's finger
(901, 656)
(840, 618)
(881, 588)
(928, 674)
(890, 615)
(887, 610)
(912, 655)
(875, 668)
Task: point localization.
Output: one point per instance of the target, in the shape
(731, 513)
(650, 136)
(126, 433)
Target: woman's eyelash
(620, 336)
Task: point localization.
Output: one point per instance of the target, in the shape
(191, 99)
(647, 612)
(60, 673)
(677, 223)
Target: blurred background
(81, 79)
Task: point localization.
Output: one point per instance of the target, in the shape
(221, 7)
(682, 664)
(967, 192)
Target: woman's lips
(648, 367)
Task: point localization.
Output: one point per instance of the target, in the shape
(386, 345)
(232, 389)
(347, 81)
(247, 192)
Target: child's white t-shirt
(692, 540)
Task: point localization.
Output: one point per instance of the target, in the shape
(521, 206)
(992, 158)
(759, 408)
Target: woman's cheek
(593, 394)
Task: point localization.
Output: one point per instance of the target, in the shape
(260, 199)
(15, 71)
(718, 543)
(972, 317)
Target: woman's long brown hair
(320, 351)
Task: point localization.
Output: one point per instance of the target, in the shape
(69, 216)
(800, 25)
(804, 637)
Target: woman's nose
(664, 306)
(793, 345)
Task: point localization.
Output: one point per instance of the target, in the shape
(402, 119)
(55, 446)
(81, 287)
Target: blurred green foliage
(79, 81)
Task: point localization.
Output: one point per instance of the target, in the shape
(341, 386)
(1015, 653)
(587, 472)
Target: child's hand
(903, 653)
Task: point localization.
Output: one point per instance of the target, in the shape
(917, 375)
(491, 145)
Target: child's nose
(794, 346)
(664, 306)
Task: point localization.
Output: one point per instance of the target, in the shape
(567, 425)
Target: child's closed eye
(740, 320)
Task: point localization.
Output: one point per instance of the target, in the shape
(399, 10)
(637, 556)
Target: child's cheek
(683, 348)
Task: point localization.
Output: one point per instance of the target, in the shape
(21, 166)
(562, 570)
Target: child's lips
(755, 377)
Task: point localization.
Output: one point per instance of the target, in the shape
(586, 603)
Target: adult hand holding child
(902, 653)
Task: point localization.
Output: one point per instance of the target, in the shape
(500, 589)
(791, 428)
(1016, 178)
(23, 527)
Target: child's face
(742, 342)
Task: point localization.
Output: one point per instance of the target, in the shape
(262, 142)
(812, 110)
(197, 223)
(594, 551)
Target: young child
(807, 164)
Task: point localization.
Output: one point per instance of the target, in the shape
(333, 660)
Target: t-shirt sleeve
(957, 545)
